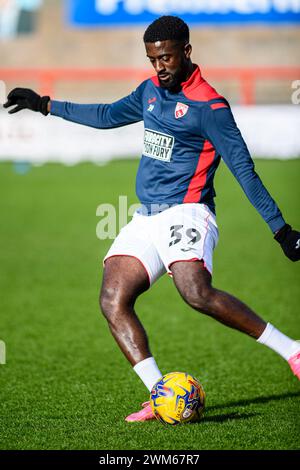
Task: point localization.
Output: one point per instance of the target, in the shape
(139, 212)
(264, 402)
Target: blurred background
(92, 51)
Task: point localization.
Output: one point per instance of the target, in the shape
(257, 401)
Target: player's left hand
(290, 242)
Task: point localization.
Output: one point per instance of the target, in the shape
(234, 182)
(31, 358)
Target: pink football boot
(294, 362)
(143, 415)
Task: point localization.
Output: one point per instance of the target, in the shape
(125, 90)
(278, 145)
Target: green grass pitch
(66, 385)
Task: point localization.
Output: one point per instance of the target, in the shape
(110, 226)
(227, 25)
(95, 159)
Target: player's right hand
(24, 98)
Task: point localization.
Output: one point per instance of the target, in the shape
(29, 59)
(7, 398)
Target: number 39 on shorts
(178, 232)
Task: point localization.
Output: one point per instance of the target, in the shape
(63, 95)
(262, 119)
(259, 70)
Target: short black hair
(167, 28)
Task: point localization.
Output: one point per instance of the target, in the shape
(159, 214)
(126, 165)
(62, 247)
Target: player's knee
(199, 298)
(108, 304)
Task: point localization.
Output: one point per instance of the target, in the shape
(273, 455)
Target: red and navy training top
(185, 136)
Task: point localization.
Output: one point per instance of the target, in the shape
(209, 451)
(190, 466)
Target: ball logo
(180, 408)
(181, 110)
(187, 413)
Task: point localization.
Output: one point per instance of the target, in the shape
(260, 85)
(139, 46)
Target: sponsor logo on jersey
(158, 145)
(181, 110)
(150, 108)
(151, 100)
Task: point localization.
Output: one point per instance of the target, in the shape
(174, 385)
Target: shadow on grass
(221, 418)
(257, 400)
(226, 417)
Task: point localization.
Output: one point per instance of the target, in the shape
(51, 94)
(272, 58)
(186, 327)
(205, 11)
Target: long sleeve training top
(185, 136)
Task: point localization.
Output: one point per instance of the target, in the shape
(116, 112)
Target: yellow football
(177, 398)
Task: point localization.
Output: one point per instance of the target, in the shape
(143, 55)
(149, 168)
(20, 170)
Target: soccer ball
(177, 398)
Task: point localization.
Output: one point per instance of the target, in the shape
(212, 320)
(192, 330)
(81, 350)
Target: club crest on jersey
(181, 110)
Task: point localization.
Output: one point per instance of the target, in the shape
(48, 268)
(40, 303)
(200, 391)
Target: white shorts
(185, 232)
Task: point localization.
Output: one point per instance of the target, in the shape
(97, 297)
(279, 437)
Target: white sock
(148, 372)
(279, 342)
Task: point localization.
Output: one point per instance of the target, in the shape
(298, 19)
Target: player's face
(171, 61)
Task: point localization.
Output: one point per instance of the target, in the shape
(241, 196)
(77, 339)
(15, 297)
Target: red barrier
(247, 77)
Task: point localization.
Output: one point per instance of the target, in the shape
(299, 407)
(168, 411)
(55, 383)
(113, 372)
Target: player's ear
(187, 50)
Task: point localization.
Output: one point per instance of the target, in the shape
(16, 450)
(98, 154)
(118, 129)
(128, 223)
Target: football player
(188, 128)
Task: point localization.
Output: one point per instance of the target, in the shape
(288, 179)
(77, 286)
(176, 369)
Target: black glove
(26, 99)
(290, 242)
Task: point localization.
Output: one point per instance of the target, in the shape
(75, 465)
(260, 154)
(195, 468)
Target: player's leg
(125, 278)
(193, 282)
